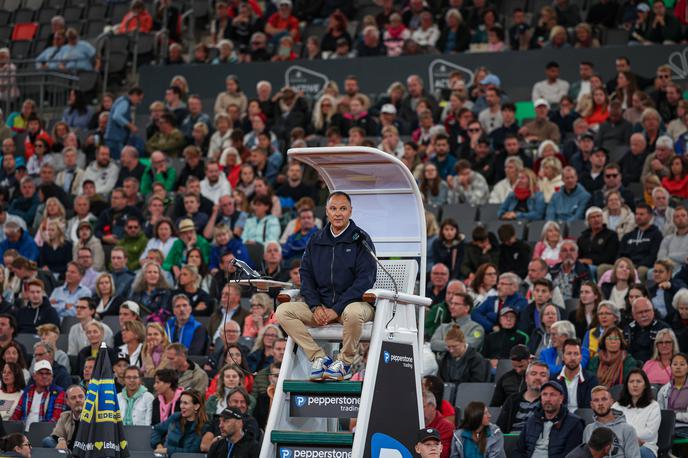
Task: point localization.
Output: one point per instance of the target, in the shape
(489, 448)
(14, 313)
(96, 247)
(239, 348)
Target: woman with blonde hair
(95, 333)
(525, 202)
(56, 251)
(151, 290)
(262, 314)
(261, 353)
(52, 210)
(617, 215)
(108, 300)
(324, 115)
(665, 346)
(547, 248)
(153, 350)
(550, 180)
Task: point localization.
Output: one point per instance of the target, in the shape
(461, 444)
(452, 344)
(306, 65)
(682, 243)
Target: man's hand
(61, 444)
(324, 315)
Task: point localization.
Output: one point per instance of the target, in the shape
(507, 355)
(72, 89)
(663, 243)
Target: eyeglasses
(474, 130)
(613, 338)
(131, 377)
(664, 76)
(611, 175)
(26, 444)
(39, 145)
(664, 342)
(80, 307)
(133, 228)
(270, 335)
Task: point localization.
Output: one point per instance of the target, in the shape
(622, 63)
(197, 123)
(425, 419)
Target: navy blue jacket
(583, 391)
(336, 272)
(566, 434)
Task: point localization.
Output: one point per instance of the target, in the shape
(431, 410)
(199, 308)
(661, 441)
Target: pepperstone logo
(439, 71)
(324, 406)
(300, 401)
(302, 79)
(312, 452)
(386, 357)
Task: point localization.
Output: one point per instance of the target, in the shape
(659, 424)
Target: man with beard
(577, 382)
(233, 441)
(67, 425)
(625, 439)
(550, 432)
(518, 407)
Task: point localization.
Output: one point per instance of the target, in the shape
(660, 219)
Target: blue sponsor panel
(384, 446)
(323, 406)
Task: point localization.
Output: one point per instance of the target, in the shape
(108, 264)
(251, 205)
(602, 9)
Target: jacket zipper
(334, 293)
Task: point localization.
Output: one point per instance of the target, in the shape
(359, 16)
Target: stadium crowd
(569, 261)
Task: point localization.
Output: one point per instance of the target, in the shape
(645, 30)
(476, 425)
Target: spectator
(184, 328)
(37, 310)
(513, 380)
(514, 254)
(167, 139)
(461, 363)
(570, 202)
(167, 394)
(524, 202)
(658, 369)
(578, 382)
(95, 333)
(153, 350)
(612, 363)
(120, 125)
(448, 248)
(668, 396)
(483, 249)
(597, 235)
(263, 227)
(663, 290)
(233, 437)
(549, 245)
(64, 433)
(507, 296)
(607, 419)
(64, 298)
(642, 244)
(181, 431)
(676, 181)
(585, 315)
(11, 388)
(50, 396)
(215, 183)
(459, 306)
(439, 310)
(552, 89)
(642, 331)
(641, 411)
(617, 215)
(468, 186)
(370, 45)
(520, 405)
(191, 376)
(498, 344)
(76, 54)
(85, 312)
(659, 162)
(562, 439)
(152, 291)
(607, 315)
(541, 128)
(135, 400)
(476, 424)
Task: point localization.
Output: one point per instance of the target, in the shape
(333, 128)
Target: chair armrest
(402, 298)
(288, 295)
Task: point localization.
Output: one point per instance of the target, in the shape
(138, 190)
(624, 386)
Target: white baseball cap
(43, 364)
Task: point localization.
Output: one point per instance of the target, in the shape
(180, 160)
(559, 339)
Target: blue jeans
(48, 442)
(647, 453)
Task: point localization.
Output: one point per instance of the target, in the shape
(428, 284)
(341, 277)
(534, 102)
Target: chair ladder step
(305, 386)
(313, 438)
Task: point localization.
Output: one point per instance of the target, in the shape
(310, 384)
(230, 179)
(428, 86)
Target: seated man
(519, 406)
(640, 333)
(601, 442)
(332, 290)
(578, 382)
(65, 430)
(191, 375)
(42, 390)
(460, 307)
(135, 402)
(233, 441)
(184, 328)
(486, 314)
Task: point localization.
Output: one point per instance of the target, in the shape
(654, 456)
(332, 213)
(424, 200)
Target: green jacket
(628, 364)
(437, 315)
(177, 254)
(134, 247)
(171, 144)
(168, 179)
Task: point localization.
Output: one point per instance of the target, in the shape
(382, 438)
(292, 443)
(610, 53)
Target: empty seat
(469, 392)
(23, 15)
(96, 12)
(72, 13)
(39, 430)
(94, 27)
(27, 340)
(488, 212)
(503, 366)
(63, 342)
(449, 392)
(118, 11)
(571, 304)
(39, 452)
(494, 413)
(33, 5)
(666, 432)
(21, 50)
(586, 415)
(13, 426)
(535, 230)
(67, 323)
(113, 323)
(88, 81)
(459, 212)
(5, 17)
(576, 228)
(25, 31)
(45, 15)
(138, 437)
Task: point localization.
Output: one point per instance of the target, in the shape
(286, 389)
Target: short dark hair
(506, 232)
(12, 320)
(441, 137)
(168, 376)
(135, 91)
(176, 90)
(89, 301)
(600, 438)
(544, 282)
(480, 234)
(552, 64)
(588, 63)
(644, 206)
(572, 341)
(645, 399)
(509, 107)
(339, 193)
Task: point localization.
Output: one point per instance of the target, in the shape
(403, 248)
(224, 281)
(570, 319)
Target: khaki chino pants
(296, 317)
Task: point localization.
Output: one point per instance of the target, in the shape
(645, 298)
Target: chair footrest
(334, 332)
(304, 386)
(312, 438)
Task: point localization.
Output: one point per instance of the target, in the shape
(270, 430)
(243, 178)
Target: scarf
(166, 409)
(128, 414)
(521, 193)
(610, 370)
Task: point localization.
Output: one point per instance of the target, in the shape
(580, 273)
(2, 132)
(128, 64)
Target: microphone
(245, 268)
(358, 236)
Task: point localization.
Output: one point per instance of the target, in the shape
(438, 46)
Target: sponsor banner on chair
(297, 451)
(323, 406)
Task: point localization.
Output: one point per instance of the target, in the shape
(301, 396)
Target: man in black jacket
(550, 431)
(37, 309)
(335, 272)
(519, 406)
(597, 244)
(642, 243)
(641, 332)
(512, 382)
(233, 438)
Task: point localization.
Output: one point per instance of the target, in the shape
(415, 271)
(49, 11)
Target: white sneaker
(319, 367)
